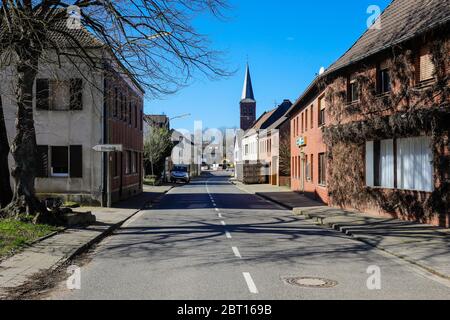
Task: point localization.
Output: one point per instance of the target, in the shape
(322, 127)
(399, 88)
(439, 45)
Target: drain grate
(310, 282)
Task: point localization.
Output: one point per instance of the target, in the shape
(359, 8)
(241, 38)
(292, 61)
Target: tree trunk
(24, 148)
(153, 172)
(5, 185)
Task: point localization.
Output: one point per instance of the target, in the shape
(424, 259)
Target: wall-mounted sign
(301, 141)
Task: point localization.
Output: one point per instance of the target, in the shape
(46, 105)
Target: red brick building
(387, 119)
(124, 126)
(308, 151)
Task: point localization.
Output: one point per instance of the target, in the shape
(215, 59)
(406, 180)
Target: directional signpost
(106, 148)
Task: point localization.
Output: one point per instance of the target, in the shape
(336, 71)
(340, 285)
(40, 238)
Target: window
(135, 116)
(414, 164)
(306, 120)
(321, 111)
(121, 106)
(353, 90)
(59, 94)
(125, 108)
(302, 128)
(130, 117)
(76, 94)
(42, 168)
(312, 116)
(384, 162)
(322, 169)
(60, 161)
(141, 119)
(136, 162)
(295, 167)
(116, 102)
(64, 161)
(311, 170)
(308, 167)
(133, 162)
(426, 66)
(384, 79)
(127, 162)
(412, 169)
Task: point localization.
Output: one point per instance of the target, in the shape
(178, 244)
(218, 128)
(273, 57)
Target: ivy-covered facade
(388, 130)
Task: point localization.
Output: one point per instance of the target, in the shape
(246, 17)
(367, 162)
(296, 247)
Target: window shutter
(42, 167)
(76, 161)
(42, 94)
(369, 164)
(426, 66)
(76, 94)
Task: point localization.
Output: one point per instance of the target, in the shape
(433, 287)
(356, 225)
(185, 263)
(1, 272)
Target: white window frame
(401, 157)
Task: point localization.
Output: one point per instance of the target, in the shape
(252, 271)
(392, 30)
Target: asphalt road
(210, 240)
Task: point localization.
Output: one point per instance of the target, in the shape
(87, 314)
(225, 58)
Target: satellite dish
(322, 70)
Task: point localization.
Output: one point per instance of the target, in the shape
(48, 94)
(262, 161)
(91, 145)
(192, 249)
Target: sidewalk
(423, 245)
(280, 195)
(52, 252)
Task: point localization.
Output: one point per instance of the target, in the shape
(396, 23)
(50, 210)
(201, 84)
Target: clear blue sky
(286, 41)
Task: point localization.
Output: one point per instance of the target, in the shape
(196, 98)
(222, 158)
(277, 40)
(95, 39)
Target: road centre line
(251, 285)
(236, 252)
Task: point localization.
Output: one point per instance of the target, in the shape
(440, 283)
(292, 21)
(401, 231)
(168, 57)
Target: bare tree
(157, 146)
(153, 40)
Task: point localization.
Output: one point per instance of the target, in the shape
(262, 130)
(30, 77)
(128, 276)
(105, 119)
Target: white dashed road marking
(228, 234)
(236, 252)
(251, 285)
(223, 223)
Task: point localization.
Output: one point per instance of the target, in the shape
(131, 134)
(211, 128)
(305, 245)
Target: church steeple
(247, 91)
(248, 103)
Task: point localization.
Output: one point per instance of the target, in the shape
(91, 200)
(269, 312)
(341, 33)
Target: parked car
(179, 173)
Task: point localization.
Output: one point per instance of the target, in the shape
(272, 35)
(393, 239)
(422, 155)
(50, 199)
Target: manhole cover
(309, 282)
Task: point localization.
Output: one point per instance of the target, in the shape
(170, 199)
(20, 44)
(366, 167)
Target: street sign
(108, 147)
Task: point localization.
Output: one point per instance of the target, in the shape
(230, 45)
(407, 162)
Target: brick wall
(305, 124)
(124, 105)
